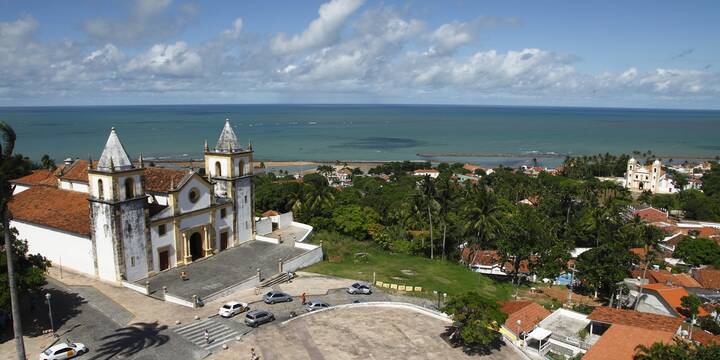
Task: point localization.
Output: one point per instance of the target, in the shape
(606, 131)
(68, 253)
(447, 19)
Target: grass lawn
(358, 260)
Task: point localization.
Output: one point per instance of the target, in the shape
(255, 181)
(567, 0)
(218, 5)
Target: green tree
(484, 215)
(699, 251)
(7, 170)
(603, 266)
(680, 350)
(711, 180)
(47, 163)
(354, 220)
(325, 170)
(428, 192)
(475, 319)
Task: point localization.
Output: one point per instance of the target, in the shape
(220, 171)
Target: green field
(358, 260)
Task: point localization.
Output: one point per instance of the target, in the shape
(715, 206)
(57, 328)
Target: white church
(648, 178)
(122, 221)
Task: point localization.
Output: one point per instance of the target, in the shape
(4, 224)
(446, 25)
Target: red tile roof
(705, 338)
(472, 256)
(42, 177)
(635, 318)
(159, 179)
(672, 295)
(528, 312)
(664, 276)
(270, 213)
(652, 214)
(77, 171)
(61, 209)
(708, 278)
(619, 342)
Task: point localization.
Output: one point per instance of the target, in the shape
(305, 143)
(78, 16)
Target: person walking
(207, 336)
(302, 297)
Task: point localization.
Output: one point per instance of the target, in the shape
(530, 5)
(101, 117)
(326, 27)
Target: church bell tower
(119, 215)
(229, 166)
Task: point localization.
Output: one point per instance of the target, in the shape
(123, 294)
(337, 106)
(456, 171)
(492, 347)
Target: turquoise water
(482, 134)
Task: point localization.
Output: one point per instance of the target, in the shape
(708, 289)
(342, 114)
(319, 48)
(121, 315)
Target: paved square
(220, 271)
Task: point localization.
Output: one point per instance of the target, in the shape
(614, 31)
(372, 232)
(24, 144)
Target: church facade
(648, 178)
(119, 220)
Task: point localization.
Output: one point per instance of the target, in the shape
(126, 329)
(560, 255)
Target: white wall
(72, 251)
(195, 220)
(74, 186)
(161, 241)
(285, 220)
(20, 188)
(225, 224)
(102, 217)
(263, 226)
(245, 217)
(649, 303)
(203, 201)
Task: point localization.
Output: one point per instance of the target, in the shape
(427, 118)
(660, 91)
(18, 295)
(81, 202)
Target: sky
(648, 54)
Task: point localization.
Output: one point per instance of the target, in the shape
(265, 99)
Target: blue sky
(574, 53)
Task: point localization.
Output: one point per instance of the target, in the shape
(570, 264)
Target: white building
(648, 178)
(427, 172)
(121, 221)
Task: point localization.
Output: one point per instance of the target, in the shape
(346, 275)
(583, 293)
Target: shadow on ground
(450, 336)
(130, 340)
(35, 314)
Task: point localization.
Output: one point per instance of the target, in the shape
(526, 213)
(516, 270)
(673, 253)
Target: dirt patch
(408, 272)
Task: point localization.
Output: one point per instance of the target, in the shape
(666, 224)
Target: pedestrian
(302, 297)
(207, 336)
(253, 356)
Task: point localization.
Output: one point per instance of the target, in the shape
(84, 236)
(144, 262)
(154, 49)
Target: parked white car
(359, 288)
(232, 308)
(63, 351)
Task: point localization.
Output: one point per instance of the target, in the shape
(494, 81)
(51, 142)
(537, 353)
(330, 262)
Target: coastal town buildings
(119, 220)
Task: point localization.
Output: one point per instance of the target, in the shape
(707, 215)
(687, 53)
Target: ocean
(487, 135)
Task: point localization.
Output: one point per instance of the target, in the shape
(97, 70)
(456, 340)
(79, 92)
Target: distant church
(122, 221)
(648, 178)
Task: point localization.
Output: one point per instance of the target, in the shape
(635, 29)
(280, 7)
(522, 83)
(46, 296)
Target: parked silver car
(276, 296)
(359, 288)
(313, 305)
(255, 318)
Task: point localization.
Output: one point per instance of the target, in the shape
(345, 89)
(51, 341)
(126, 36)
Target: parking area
(355, 333)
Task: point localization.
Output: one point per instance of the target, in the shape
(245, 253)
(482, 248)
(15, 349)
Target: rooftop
(671, 295)
(52, 207)
(77, 171)
(42, 177)
(114, 157)
(635, 318)
(619, 342)
(529, 313)
(708, 278)
(160, 180)
(565, 323)
(227, 142)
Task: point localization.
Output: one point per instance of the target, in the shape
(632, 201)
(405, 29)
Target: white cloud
(449, 37)
(167, 59)
(322, 31)
(234, 32)
(18, 31)
(147, 20)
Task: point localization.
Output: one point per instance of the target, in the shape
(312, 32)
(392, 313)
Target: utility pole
(15, 305)
(572, 282)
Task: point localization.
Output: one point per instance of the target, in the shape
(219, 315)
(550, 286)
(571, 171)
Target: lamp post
(52, 326)
(444, 299)
(437, 297)
(519, 323)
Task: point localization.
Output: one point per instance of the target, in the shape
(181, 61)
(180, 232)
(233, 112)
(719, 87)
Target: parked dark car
(255, 318)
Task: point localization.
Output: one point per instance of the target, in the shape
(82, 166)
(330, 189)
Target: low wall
(386, 304)
(179, 301)
(285, 220)
(263, 226)
(139, 288)
(243, 285)
(267, 239)
(303, 226)
(303, 260)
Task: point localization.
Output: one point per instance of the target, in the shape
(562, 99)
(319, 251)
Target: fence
(313, 256)
(398, 287)
(243, 285)
(139, 288)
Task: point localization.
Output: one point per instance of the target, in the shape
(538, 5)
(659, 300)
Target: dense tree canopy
(680, 350)
(475, 318)
(698, 251)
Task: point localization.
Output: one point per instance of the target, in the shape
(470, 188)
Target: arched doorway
(196, 247)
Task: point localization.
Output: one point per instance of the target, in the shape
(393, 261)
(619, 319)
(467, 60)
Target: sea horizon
(489, 135)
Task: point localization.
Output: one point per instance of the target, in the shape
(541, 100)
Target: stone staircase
(276, 279)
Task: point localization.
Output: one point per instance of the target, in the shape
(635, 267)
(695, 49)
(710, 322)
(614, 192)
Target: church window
(100, 189)
(218, 169)
(246, 199)
(241, 166)
(162, 229)
(223, 213)
(132, 261)
(128, 227)
(194, 195)
(129, 188)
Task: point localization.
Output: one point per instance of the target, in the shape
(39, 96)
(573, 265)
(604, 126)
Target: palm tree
(444, 197)
(484, 215)
(319, 197)
(6, 189)
(427, 189)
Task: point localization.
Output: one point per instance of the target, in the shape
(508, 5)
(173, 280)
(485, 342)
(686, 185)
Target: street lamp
(52, 327)
(437, 296)
(519, 323)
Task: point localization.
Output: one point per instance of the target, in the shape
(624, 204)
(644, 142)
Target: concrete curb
(385, 304)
